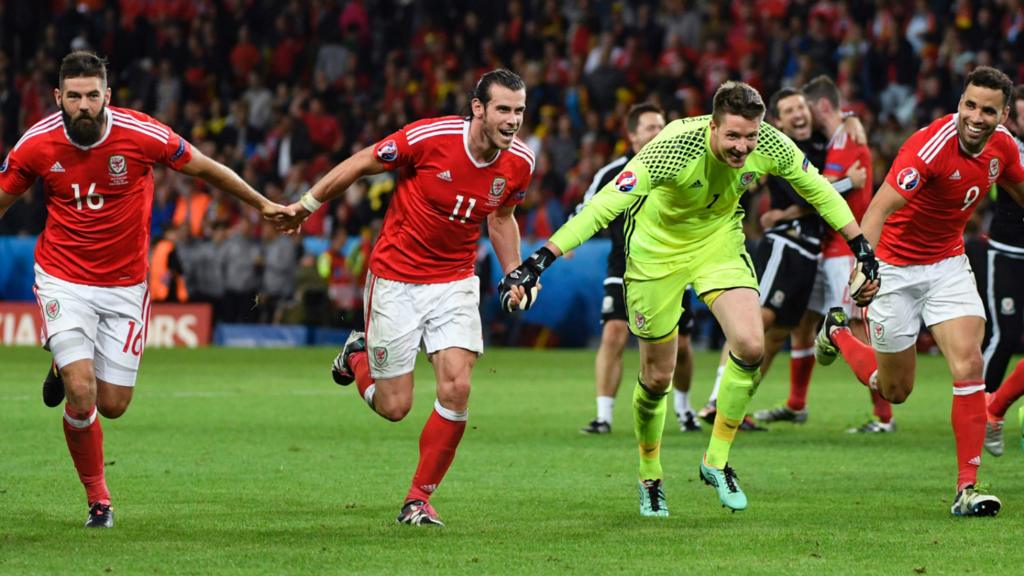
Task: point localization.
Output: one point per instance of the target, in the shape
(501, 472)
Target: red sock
(1009, 391)
(857, 354)
(968, 419)
(883, 409)
(801, 365)
(440, 438)
(360, 364)
(85, 443)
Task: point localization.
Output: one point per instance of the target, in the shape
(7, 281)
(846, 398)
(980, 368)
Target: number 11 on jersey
(458, 204)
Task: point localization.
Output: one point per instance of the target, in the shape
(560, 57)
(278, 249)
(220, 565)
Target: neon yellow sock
(648, 424)
(738, 385)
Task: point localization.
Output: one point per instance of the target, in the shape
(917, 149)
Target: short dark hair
(638, 110)
(739, 98)
(778, 96)
(1018, 94)
(822, 87)
(989, 77)
(83, 64)
(500, 76)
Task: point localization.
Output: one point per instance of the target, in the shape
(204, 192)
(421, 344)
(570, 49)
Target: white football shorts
(832, 286)
(932, 293)
(113, 318)
(401, 318)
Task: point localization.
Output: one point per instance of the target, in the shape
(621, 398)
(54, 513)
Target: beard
(84, 130)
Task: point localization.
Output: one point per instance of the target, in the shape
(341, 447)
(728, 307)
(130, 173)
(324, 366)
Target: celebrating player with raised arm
(91, 259)
(917, 219)
(680, 195)
(455, 173)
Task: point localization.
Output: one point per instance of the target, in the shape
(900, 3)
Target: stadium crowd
(281, 92)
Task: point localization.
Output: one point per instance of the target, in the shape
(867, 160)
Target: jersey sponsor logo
(696, 184)
(1007, 307)
(380, 356)
(446, 176)
(626, 182)
(908, 179)
(52, 309)
(639, 320)
(180, 151)
(832, 166)
(3, 167)
(607, 305)
(976, 461)
(993, 169)
(748, 177)
(778, 298)
(521, 195)
(387, 151)
(955, 175)
(806, 164)
(56, 167)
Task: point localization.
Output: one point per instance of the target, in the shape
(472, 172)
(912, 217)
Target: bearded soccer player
(454, 174)
(680, 196)
(917, 219)
(91, 260)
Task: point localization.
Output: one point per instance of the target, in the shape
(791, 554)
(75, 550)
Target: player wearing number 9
(917, 221)
(91, 259)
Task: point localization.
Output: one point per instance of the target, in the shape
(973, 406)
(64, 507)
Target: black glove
(526, 275)
(867, 264)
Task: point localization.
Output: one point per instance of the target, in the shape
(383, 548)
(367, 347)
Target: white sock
(605, 405)
(371, 390)
(682, 402)
(718, 382)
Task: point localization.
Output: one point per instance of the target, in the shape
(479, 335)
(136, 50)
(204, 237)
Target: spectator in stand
(241, 279)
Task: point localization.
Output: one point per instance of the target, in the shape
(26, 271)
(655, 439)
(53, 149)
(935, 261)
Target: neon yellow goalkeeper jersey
(676, 194)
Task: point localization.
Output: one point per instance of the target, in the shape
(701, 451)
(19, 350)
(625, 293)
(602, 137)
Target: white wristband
(309, 203)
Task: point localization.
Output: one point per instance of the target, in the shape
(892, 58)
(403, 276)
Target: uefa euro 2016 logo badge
(626, 182)
(387, 151)
(908, 179)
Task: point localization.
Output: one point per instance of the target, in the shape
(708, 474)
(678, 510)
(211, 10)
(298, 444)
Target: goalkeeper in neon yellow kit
(680, 195)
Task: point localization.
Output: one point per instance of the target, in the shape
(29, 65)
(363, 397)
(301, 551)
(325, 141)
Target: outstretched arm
(224, 178)
(335, 182)
(886, 201)
(504, 233)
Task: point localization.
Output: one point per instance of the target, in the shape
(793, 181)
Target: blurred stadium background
(281, 91)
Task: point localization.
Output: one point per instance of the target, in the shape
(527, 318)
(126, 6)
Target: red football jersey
(942, 184)
(98, 199)
(432, 226)
(842, 153)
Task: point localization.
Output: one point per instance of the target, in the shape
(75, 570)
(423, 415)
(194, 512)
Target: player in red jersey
(454, 173)
(91, 259)
(919, 214)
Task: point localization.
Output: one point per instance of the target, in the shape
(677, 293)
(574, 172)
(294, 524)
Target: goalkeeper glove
(866, 268)
(526, 275)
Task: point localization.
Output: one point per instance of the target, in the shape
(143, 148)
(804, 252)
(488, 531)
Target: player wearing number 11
(454, 173)
(680, 196)
(91, 259)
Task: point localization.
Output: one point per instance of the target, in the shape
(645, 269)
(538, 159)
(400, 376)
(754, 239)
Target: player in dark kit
(1003, 296)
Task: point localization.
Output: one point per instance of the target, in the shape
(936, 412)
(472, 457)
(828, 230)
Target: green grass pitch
(254, 462)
